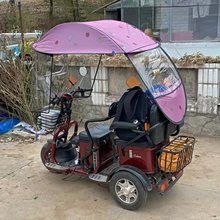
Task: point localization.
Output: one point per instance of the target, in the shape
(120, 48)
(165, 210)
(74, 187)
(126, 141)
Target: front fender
(135, 171)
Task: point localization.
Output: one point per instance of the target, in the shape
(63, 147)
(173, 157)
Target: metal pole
(51, 75)
(22, 32)
(218, 20)
(153, 16)
(170, 21)
(122, 11)
(139, 14)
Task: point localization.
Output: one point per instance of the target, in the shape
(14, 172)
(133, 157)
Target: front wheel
(46, 158)
(127, 190)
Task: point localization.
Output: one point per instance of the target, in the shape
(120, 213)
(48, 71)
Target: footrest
(98, 177)
(57, 167)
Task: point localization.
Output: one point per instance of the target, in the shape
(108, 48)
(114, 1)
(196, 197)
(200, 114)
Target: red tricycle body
(134, 154)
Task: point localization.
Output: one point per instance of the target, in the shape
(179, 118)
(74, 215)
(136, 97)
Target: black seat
(99, 134)
(158, 135)
(162, 132)
(75, 140)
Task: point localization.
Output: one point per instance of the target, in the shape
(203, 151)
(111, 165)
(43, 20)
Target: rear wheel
(127, 190)
(47, 159)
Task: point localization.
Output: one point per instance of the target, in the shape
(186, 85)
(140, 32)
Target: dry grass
(15, 90)
(195, 59)
(118, 60)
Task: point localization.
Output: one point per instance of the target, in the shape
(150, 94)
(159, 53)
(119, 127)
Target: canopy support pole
(51, 73)
(97, 69)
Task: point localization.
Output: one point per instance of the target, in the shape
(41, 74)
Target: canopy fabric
(173, 105)
(97, 37)
(163, 81)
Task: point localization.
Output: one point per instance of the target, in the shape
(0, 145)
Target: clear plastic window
(157, 71)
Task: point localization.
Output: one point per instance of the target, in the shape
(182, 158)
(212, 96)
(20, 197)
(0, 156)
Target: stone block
(207, 105)
(206, 65)
(212, 65)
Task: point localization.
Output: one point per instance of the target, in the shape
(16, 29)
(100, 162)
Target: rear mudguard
(170, 182)
(135, 171)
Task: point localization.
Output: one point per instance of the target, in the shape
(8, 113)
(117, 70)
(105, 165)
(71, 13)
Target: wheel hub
(126, 191)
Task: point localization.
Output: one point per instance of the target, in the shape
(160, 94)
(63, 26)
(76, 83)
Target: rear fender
(135, 171)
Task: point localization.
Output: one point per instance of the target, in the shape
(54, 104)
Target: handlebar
(56, 100)
(82, 92)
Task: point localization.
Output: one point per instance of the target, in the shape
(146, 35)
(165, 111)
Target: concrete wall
(197, 121)
(190, 77)
(122, 74)
(200, 124)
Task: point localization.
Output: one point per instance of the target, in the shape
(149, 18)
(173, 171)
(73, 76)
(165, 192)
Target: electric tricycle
(135, 153)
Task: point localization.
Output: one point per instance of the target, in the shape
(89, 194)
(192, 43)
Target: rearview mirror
(83, 71)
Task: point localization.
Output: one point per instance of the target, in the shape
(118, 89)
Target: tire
(48, 158)
(127, 190)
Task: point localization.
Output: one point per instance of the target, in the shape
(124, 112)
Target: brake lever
(55, 100)
(51, 102)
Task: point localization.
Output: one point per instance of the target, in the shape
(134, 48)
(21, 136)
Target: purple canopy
(101, 37)
(114, 37)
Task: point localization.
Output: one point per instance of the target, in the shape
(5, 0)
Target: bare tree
(51, 12)
(51, 8)
(77, 9)
(12, 2)
(73, 9)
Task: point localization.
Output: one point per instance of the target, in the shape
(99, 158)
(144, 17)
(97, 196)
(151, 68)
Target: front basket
(176, 155)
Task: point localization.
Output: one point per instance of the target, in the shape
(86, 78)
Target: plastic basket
(48, 120)
(175, 156)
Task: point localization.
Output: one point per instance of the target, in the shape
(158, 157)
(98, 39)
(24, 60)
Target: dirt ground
(29, 191)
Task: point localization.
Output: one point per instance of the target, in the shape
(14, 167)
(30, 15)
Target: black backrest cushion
(161, 133)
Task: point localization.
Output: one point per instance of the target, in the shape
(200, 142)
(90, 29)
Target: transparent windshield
(157, 71)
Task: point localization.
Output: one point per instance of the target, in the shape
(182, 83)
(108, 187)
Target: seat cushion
(99, 134)
(75, 140)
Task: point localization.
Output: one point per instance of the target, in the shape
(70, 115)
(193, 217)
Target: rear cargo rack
(175, 156)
